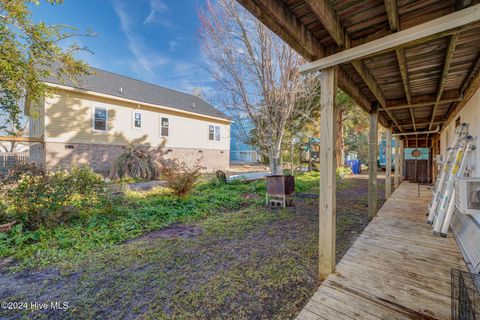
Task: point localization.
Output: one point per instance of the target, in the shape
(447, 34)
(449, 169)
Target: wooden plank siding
(396, 269)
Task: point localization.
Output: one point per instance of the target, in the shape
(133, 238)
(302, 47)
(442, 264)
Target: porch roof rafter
(279, 18)
(327, 17)
(440, 27)
(388, 52)
(393, 20)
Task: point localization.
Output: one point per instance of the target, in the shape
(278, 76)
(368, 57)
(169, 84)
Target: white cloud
(145, 60)
(193, 78)
(163, 67)
(157, 7)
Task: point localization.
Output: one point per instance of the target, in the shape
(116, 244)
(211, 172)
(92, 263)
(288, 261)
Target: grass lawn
(218, 254)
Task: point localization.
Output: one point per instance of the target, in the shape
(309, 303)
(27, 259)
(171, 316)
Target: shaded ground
(250, 264)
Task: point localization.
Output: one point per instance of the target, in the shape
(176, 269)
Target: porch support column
(396, 177)
(327, 212)
(388, 164)
(372, 159)
(402, 161)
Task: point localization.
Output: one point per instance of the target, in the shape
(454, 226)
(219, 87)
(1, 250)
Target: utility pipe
(417, 133)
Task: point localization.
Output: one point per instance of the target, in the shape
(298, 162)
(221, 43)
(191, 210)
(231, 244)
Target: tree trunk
(274, 156)
(292, 152)
(340, 145)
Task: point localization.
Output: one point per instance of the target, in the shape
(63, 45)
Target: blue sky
(151, 40)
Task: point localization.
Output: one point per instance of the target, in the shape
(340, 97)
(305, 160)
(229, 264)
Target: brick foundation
(100, 157)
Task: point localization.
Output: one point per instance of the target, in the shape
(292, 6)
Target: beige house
(89, 122)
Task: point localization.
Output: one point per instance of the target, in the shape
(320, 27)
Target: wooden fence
(10, 159)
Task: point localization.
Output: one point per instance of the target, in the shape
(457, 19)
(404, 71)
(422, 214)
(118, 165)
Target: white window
(100, 119)
(137, 119)
(164, 127)
(214, 133)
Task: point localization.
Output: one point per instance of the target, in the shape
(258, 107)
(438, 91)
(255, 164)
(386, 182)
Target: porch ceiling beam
(421, 124)
(278, 18)
(392, 13)
(402, 64)
(331, 22)
(446, 66)
(470, 78)
(421, 104)
(428, 98)
(394, 21)
(459, 4)
(430, 29)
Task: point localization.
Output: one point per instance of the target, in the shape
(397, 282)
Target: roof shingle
(113, 84)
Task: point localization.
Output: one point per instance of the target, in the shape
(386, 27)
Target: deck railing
(11, 159)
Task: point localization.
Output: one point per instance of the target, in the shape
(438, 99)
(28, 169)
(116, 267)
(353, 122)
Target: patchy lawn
(230, 259)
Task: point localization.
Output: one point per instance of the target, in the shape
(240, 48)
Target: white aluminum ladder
(446, 171)
(451, 206)
(448, 201)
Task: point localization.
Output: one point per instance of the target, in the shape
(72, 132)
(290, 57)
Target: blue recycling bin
(359, 167)
(355, 166)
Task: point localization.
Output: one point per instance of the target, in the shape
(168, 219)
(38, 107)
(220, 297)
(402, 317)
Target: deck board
(396, 269)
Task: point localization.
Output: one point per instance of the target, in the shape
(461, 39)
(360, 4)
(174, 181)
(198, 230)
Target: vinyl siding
(36, 124)
(69, 119)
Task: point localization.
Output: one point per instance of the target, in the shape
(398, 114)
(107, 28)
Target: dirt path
(251, 264)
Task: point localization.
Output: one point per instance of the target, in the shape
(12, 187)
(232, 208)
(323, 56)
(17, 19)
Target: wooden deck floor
(396, 269)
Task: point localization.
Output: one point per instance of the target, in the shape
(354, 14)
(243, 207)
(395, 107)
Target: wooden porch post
(402, 161)
(434, 154)
(388, 164)
(396, 177)
(327, 212)
(372, 159)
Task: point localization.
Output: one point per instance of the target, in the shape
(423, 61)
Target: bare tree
(257, 74)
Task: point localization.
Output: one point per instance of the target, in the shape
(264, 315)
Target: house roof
(114, 84)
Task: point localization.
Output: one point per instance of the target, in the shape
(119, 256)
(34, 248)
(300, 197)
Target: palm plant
(136, 162)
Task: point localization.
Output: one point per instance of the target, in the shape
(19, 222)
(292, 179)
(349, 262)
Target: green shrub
(342, 171)
(3, 212)
(19, 170)
(53, 198)
(86, 183)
